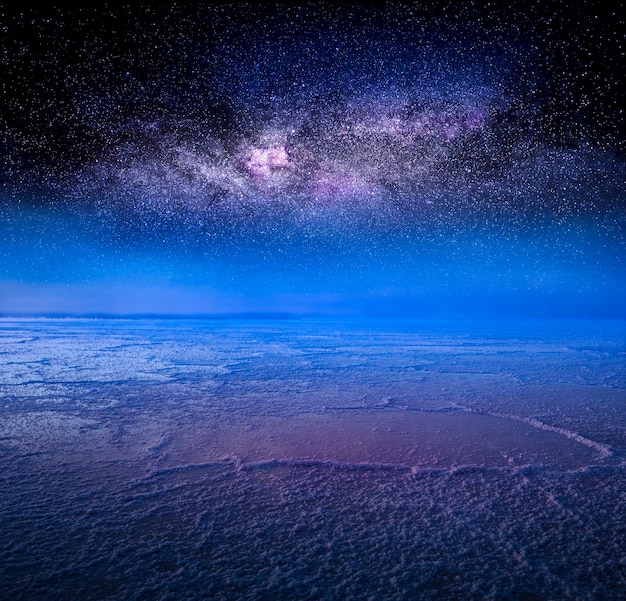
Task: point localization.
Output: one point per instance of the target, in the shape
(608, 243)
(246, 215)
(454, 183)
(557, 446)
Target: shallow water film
(312, 459)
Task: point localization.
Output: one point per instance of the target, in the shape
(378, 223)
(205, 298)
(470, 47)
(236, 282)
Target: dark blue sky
(440, 159)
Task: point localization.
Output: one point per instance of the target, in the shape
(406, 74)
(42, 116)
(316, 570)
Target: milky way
(398, 144)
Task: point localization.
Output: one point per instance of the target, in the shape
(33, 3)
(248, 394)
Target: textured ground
(305, 459)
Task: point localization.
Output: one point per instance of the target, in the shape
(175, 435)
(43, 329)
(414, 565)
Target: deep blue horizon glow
(57, 263)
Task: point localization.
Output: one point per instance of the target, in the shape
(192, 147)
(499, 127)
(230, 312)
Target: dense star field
(313, 159)
(313, 302)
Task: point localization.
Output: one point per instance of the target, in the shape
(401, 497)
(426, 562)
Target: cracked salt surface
(312, 460)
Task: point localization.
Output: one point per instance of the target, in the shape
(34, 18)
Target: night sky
(450, 159)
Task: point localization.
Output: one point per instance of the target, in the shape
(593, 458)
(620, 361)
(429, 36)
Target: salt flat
(312, 459)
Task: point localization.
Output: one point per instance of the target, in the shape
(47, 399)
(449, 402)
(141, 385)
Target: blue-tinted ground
(303, 459)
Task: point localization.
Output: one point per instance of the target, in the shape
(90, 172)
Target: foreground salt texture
(305, 459)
